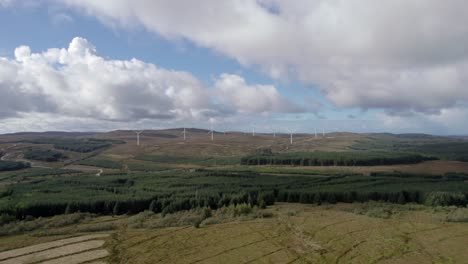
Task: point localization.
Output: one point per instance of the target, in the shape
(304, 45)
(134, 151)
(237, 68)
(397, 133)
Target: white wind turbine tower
(291, 135)
(323, 132)
(184, 132)
(212, 132)
(138, 136)
(315, 132)
(253, 131)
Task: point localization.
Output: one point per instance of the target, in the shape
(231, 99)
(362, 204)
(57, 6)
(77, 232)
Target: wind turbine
(138, 136)
(323, 132)
(290, 136)
(253, 131)
(211, 131)
(184, 133)
(315, 132)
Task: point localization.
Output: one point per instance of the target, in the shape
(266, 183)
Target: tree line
(319, 158)
(158, 204)
(13, 165)
(173, 203)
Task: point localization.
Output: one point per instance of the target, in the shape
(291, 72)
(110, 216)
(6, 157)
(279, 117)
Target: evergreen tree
(304, 198)
(401, 198)
(153, 206)
(317, 199)
(331, 198)
(68, 209)
(117, 208)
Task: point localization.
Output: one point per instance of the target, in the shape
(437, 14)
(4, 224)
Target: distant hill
(49, 134)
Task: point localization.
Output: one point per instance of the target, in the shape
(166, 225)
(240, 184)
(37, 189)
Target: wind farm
(137, 184)
(351, 164)
(253, 131)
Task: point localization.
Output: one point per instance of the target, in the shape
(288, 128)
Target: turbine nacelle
(138, 136)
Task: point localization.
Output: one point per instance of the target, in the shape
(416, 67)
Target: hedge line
(334, 159)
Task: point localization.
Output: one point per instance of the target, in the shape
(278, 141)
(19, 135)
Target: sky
(394, 66)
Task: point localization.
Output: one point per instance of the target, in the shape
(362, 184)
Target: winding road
(4, 156)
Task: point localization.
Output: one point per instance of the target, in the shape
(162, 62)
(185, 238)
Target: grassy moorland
(289, 194)
(109, 164)
(440, 147)
(77, 145)
(283, 233)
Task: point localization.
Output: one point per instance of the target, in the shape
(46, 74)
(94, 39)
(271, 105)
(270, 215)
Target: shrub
(32, 224)
(207, 212)
(97, 227)
(457, 215)
(5, 219)
(445, 199)
(241, 209)
(196, 223)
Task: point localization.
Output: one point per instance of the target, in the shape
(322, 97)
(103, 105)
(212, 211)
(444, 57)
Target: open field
(195, 201)
(287, 233)
(299, 234)
(72, 250)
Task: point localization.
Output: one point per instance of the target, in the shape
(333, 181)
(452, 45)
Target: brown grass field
(71, 250)
(231, 144)
(303, 234)
(292, 233)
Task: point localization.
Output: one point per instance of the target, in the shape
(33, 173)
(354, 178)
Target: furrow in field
(329, 225)
(156, 236)
(230, 250)
(56, 252)
(49, 245)
(191, 250)
(347, 251)
(80, 257)
(264, 255)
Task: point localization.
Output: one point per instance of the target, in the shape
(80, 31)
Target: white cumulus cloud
(394, 54)
(75, 82)
(235, 93)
